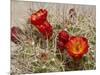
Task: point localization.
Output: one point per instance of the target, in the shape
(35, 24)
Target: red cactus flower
(45, 29)
(39, 17)
(77, 47)
(63, 37)
(14, 34)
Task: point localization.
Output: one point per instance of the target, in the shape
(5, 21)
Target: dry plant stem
(18, 39)
(59, 52)
(47, 42)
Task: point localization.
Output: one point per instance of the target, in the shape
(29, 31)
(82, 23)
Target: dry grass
(37, 55)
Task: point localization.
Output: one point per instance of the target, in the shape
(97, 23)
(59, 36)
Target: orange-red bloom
(39, 20)
(45, 29)
(38, 17)
(77, 47)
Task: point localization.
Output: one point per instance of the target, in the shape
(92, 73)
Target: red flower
(63, 37)
(45, 29)
(14, 34)
(77, 47)
(39, 17)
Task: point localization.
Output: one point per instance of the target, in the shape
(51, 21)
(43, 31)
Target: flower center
(77, 47)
